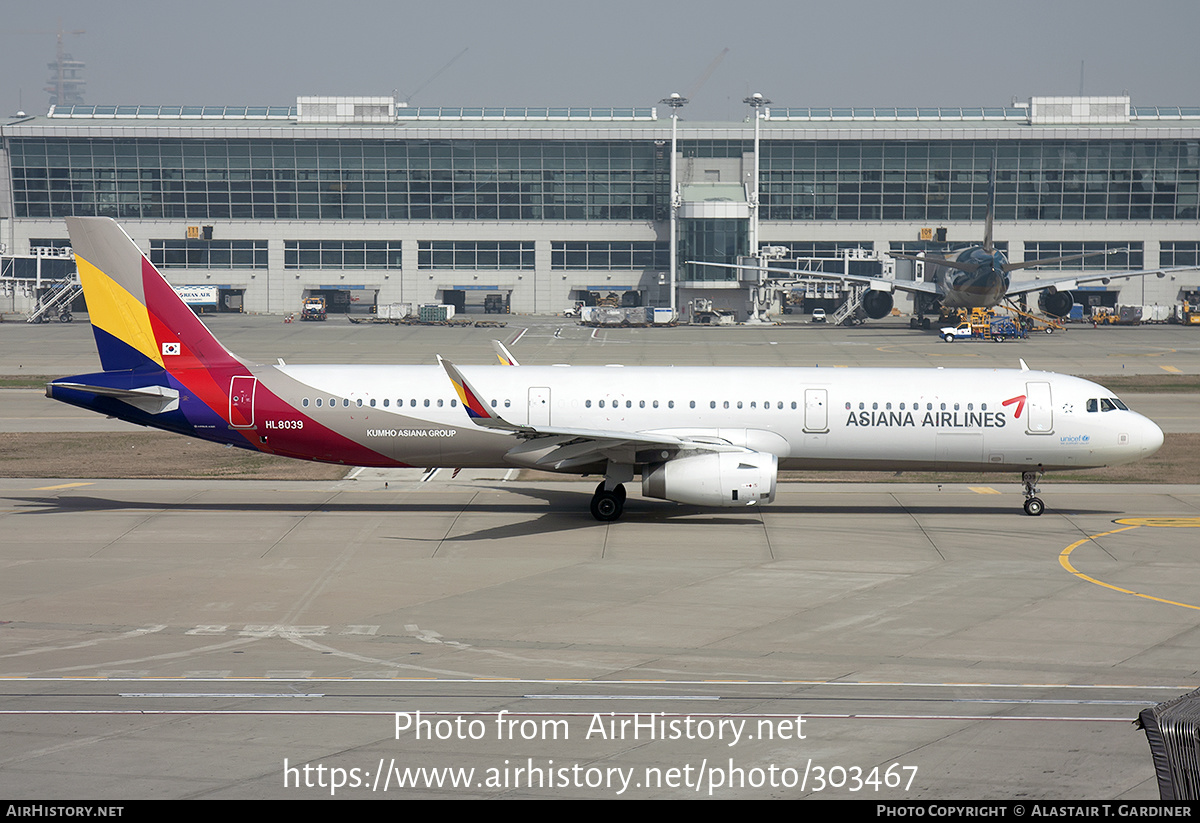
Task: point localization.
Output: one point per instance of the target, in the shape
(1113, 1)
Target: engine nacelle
(726, 479)
(1057, 303)
(877, 304)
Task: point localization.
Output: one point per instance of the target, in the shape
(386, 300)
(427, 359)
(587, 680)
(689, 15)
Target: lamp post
(676, 102)
(757, 102)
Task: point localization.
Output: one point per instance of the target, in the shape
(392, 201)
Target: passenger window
(670, 404)
(426, 402)
(440, 402)
(318, 402)
(386, 402)
(304, 403)
(358, 402)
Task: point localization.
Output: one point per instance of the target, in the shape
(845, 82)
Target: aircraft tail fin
(991, 207)
(139, 322)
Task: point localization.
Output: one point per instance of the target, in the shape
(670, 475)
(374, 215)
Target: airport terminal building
(366, 202)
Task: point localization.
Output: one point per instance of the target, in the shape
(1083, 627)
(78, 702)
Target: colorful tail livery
(163, 368)
(702, 436)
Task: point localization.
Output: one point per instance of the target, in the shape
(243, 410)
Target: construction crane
(691, 92)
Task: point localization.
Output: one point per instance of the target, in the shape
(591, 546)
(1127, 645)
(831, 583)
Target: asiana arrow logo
(1020, 401)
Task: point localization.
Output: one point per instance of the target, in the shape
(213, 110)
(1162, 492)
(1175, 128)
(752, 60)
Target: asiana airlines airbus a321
(701, 436)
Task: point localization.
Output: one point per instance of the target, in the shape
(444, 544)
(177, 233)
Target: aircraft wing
(877, 283)
(1067, 283)
(566, 448)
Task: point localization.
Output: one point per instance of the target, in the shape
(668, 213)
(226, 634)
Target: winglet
(472, 402)
(505, 356)
(1021, 360)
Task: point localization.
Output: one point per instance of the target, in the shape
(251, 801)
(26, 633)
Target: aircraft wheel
(607, 506)
(1034, 506)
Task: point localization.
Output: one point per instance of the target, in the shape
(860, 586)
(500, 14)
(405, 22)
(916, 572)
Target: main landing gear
(608, 505)
(1033, 504)
(609, 500)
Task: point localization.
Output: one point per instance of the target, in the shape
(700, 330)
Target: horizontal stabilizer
(150, 399)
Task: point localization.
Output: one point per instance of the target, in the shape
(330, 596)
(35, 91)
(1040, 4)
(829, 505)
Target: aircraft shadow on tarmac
(569, 511)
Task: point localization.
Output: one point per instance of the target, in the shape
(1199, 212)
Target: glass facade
(596, 180)
(922, 181)
(1102, 256)
(475, 254)
(1179, 253)
(203, 179)
(713, 241)
(604, 255)
(209, 254)
(341, 254)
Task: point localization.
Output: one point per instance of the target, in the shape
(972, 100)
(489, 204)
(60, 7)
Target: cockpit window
(1106, 405)
(1120, 405)
(1093, 405)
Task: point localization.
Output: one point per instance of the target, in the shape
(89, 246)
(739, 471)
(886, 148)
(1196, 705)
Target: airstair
(55, 301)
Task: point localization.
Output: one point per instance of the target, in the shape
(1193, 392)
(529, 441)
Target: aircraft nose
(1151, 437)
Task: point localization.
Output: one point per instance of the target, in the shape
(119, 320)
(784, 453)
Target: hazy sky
(606, 52)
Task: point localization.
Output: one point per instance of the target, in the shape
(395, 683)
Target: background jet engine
(877, 304)
(1057, 303)
(725, 479)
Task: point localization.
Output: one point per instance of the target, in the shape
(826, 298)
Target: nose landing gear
(1033, 504)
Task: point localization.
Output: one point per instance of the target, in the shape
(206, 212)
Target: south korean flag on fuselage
(170, 348)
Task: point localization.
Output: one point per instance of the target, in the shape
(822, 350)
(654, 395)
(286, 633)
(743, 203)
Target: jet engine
(727, 479)
(1057, 303)
(877, 304)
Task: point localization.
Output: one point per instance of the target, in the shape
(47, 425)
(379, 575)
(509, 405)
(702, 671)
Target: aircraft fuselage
(895, 419)
(982, 288)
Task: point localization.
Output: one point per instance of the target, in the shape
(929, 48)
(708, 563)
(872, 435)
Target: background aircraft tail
(140, 323)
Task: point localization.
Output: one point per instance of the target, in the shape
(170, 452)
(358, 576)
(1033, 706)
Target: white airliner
(702, 436)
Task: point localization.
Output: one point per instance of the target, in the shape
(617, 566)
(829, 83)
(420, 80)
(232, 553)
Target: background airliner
(967, 278)
(972, 277)
(701, 436)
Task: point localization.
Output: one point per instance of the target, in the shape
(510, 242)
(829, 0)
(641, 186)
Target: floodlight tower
(676, 102)
(758, 103)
